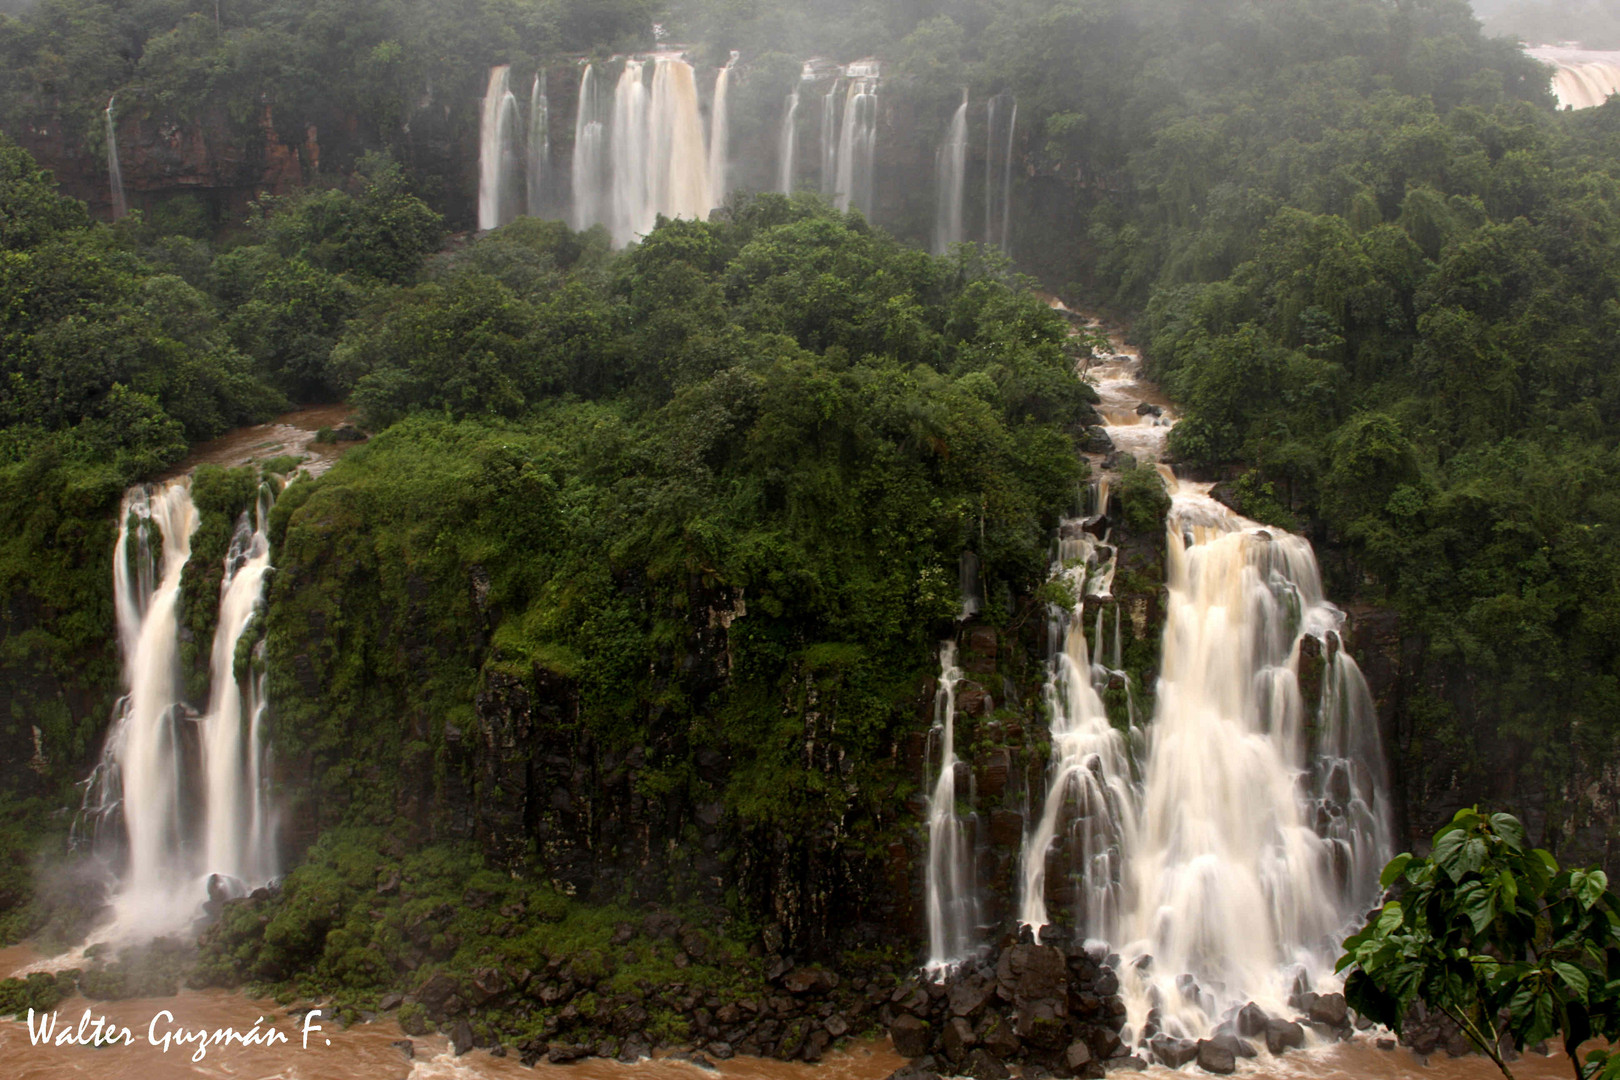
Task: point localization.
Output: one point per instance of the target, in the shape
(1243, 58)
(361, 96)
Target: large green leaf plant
(1497, 936)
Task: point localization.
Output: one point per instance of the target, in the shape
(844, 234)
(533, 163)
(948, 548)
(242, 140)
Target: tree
(1495, 935)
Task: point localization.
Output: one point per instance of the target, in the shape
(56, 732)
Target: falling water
(589, 162)
(628, 156)
(950, 173)
(495, 147)
(953, 914)
(149, 772)
(1090, 802)
(1252, 848)
(1582, 79)
(679, 169)
(787, 145)
(720, 136)
(990, 171)
(1006, 182)
(539, 163)
(857, 141)
(998, 154)
(115, 174)
(829, 141)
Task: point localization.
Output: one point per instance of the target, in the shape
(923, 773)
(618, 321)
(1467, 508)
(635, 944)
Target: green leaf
(1390, 918)
(1572, 976)
(1507, 890)
(1509, 829)
(1448, 853)
(1590, 889)
(1396, 867)
(1480, 907)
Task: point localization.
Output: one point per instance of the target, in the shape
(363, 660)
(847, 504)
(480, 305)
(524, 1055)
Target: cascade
(720, 136)
(1006, 182)
(1582, 79)
(495, 148)
(539, 163)
(1223, 847)
(998, 181)
(953, 912)
(679, 167)
(628, 155)
(157, 771)
(787, 145)
(588, 164)
(857, 140)
(115, 174)
(829, 141)
(950, 172)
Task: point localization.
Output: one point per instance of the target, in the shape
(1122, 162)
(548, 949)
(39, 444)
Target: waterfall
(539, 163)
(1252, 848)
(182, 807)
(998, 181)
(627, 156)
(679, 169)
(1090, 802)
(115, 174)
(495, 148)
(829, 141)
(953, 912)
(950, 172)
(1581, 79)
(1006, 183)
(787, 145)
(720, 136)
(857, 141)
(588, 164)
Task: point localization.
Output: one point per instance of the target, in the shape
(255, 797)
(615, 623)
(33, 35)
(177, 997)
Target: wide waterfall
(720, 136)
(857, 140)
(495, 131)
(179, 799)
(539, 158)
(115, 173)
(588, 166)
(787, 145)
(656, 160)
(950, 176)
(953, 909)
(998, 181)
(1582, 79)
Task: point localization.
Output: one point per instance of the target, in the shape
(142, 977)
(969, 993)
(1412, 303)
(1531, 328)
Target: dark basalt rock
(1171, 1051)
(1282, 1035)
(1215, 1058)
(910, 1036)
(981, 1066)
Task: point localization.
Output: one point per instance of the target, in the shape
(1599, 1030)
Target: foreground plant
(1495, 935)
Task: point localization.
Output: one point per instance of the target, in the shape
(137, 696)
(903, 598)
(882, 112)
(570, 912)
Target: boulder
(1329, 1009)
(566, 1053)
(1212, 1057)
(1147, 408)
(1077, 1056)
(1125, 1064)
(461, 1037)
(969, 996)
(958, 1039)
(1283, 1035)
(1171, 1051)
(1239, 1048)
(809, 980)
(1096, 441)
(1251, 1020)
(981, 1066)
(406, 1047)
(910, 1036)
(999, 1038)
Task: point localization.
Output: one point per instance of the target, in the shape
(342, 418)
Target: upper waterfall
(720, 136)
(539, 158)
(115, 172)
(1582, 79)
(495, 155)
(950, 181)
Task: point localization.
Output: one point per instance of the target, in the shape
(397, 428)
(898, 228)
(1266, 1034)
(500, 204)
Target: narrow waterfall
(998, 180)
(115, 174)
(950, 174)
(1006, 182)
(628, 157)
(158, 770)
(1090, 803)
(589, 162)
(829, 141)
(720, 136)
(539, 159)
(952, 894)
(857, 141)
(495, 147)
(787, 145)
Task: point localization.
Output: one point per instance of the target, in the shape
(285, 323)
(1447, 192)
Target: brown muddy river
(367, 1052)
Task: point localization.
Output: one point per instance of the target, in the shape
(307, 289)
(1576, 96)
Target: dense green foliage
(1487, 928)
(786, 419)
